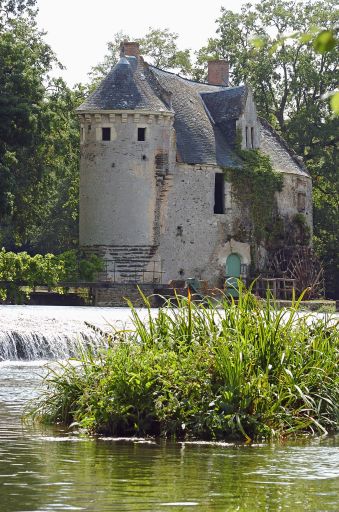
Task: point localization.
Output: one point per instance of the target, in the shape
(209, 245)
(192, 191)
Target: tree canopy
(275, 47)
(38, 143)
(285, 50)
(158, 46)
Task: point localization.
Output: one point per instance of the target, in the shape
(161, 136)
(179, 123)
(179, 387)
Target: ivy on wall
(254, 185)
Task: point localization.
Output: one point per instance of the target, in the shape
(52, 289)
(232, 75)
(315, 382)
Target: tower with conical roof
(127, 145)
(154, 148)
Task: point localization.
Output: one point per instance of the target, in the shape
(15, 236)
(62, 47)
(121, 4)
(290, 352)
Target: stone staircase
(130, 264)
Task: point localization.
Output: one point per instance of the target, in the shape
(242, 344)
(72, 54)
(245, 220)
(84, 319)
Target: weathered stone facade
(149, 190)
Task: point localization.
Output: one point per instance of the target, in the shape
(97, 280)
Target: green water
(44, 470)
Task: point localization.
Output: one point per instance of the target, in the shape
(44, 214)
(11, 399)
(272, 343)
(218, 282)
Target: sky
(78, 30)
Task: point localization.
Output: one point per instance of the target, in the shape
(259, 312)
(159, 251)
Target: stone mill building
(154, 201)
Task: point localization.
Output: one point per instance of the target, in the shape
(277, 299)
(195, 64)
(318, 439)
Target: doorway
(233, 268)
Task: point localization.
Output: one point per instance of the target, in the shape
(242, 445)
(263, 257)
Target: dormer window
(141, 134)
(106, 134)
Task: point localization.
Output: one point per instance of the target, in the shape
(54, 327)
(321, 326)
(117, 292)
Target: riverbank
(206, 372)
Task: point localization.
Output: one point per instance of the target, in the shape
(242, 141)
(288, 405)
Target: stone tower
(127, 146)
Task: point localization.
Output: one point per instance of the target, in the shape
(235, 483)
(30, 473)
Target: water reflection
(45, 470)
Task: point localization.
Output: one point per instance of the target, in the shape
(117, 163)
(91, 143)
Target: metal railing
(131, 274)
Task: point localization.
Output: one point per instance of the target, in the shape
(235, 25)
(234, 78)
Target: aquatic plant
(210, 370)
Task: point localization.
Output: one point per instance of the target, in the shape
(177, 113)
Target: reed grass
(210, 370)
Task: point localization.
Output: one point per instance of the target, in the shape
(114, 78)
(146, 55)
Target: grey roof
(226, 104)
(283, 158)
(204, 115)
(127, 86)
(199, 139)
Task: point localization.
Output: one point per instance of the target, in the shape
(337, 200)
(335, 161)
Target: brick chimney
(130, 48)
(218, 72)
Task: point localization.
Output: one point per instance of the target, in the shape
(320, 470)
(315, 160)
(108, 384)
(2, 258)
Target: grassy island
(225, 370)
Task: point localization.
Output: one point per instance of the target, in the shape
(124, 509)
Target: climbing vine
(254, 184)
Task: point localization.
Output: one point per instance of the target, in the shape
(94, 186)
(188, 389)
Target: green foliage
(299, 230)
(254, 186)
(39, 144)
(158, 47)
(21, 269)
(213, 371)
(325, 41)
(13, 8)
(283, 49)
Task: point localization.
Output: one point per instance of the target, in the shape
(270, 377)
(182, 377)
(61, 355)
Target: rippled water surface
(45, 469)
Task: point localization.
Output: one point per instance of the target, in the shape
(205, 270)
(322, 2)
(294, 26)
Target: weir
(54, 332)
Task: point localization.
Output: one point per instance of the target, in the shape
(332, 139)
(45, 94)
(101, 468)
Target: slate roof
(204, 115)
(199, 139)
(226, 104)
(283, 158)
(127, 86)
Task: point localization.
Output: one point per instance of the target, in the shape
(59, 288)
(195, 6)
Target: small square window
(106, 134)
(141, 134)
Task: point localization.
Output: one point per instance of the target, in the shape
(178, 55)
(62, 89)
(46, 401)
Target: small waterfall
(30, 346)
(54, 332)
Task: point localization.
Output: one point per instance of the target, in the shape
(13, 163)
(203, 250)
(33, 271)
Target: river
(49, 469)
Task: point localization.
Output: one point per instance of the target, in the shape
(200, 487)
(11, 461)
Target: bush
(210, 371)
(21, 269)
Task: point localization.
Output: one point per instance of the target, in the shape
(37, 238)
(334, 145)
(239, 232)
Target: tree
(290, 80)
(13, 8)
(99, 71)
(39, 145)
(24, 63)
(158, 46)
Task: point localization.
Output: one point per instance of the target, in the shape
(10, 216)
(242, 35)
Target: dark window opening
(89, 128)
(246, 134)
(106, 134)
(252, 137)
(141, 134)
(219, 193)
(301, 203)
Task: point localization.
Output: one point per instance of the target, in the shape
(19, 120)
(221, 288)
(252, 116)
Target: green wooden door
(233, 263)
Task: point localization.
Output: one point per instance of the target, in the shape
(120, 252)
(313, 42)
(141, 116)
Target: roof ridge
(187, 79)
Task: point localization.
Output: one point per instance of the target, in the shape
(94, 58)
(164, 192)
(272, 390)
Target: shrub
(21, 269)
(209, 371)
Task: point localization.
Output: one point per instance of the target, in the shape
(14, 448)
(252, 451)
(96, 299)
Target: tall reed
(210, 370)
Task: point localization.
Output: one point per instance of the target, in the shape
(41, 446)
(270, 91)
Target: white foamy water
(54, 332)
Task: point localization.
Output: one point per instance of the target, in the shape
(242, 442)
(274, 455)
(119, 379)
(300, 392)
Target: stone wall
(193, 237)
(118, 180)
(116, 295)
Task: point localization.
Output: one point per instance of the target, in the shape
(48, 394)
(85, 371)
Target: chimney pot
(130, 48)
(218, 72)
